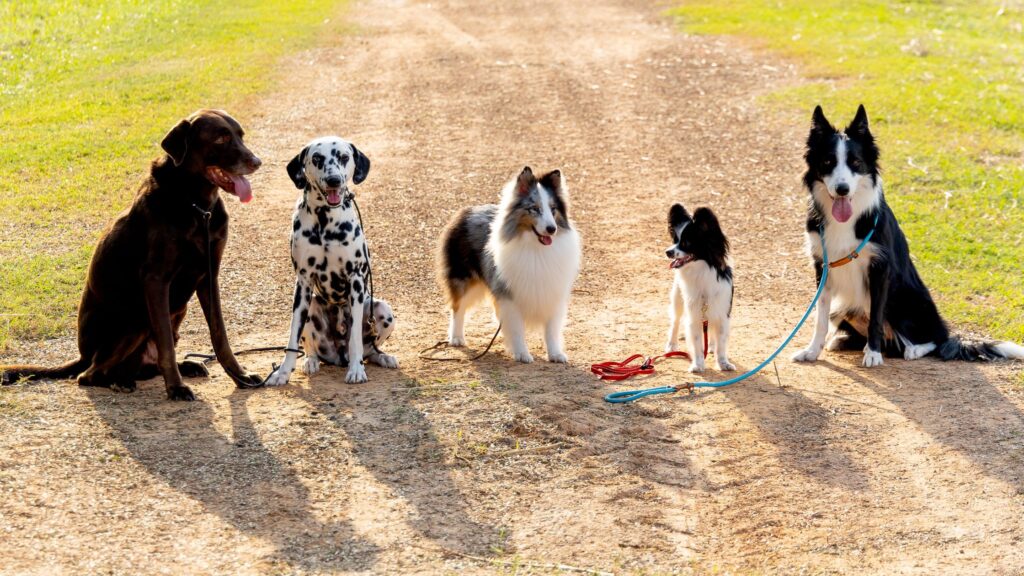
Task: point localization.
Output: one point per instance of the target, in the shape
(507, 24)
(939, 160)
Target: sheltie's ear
(525, 181)
(553, 182)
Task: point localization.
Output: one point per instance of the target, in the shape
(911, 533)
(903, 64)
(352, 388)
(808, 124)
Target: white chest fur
(539, 277)
(848, 284)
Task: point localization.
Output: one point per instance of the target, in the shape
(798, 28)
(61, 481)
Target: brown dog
(152, 260)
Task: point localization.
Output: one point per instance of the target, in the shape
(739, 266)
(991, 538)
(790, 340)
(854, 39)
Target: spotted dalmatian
(329, 256)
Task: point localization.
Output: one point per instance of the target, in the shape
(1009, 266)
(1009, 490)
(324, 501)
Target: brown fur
(151, 261)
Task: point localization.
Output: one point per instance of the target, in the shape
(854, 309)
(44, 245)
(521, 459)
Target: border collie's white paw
(558, 357)
(385, 361)
(872, 358)
(356, 373)
(726, 366)
(696, 368)
(279, 378)
(807, 355)
(836, 343)
(311, 365)
(915, 351)
(672, 346)
(457, 342)
(525, 357)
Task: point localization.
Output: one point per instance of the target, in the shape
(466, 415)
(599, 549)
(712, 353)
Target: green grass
(943, 83)
(87, 91)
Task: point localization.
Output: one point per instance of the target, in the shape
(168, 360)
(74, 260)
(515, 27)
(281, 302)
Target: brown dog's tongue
(242, 187)
(842, 208)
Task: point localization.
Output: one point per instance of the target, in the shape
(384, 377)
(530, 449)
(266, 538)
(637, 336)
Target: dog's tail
(957, 349)
(12, 374)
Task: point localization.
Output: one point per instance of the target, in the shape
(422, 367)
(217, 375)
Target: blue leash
(633, 395)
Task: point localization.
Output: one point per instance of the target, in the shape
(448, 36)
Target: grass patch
(87, 91)
(943, 83)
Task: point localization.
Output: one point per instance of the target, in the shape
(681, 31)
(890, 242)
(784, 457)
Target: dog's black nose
(551, 229)
(842, 189)
(255, 163)
(669, 252)
(333, 181)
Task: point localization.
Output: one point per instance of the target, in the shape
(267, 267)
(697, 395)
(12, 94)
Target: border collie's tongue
(842, 208)
(333, 197)
(544, 239)
(242, 187)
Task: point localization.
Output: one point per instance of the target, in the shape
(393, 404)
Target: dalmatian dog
(332, 267)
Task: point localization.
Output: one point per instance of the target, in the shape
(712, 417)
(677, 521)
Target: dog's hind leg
(464, 295)
(846, 338)
(675, 314)
(356, 371)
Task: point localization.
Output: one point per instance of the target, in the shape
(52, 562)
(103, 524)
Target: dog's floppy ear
(297, 169)
(175, 143)
(858, 128)
(362, 166)
(820, 123)
(706, 221)
(677, 214)
(525, 181)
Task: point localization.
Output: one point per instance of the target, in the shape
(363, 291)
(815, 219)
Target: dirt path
(903, 469)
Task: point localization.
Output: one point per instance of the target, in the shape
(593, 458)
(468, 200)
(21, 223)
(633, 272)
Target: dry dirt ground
(908, 468)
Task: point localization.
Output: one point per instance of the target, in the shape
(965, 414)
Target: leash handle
(633, 395)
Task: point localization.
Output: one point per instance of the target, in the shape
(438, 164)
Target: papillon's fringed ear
(297, 169)
(525, 181)
(819, 122)
(706, 220)
(175, 143)
(859, 126)
(677, 215)
(362, 166)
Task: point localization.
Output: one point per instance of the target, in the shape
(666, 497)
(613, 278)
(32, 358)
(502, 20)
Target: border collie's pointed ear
(362, 166)
(525, 181)
(859, 125)
(677, 215)
(297, 169)
(175, 143)
(821, 123)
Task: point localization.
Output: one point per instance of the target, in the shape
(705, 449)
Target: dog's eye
(855, 164)
(344, 159)
(533, 210)
(222, 139)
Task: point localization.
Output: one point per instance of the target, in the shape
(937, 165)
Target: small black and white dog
(332, 268)
(703, 288)
(877, 301)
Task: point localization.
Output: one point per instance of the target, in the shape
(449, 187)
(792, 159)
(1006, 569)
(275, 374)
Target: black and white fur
(329, 256)
(523, 253)
(877, 302)
(703, 285)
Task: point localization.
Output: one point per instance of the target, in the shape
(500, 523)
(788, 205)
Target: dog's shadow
(232, 475)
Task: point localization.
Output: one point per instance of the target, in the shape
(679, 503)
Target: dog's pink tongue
(334, 197)
(545, 240)
(842, 208)
(242, 187)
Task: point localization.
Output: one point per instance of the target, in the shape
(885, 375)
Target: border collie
(702, 287)
(876, 301)
(523, 253)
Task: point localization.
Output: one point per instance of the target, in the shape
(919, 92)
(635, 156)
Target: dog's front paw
(386, 361)
(807, 355)
(457, 341)
(193, 369)
(248, 379)
(872, 358)
(696, 368)
(356, 373)
(672, 346)
(311, 365)
(525, 357)
(279, 377)
(180, 393)
(726, 366)
(558, 357)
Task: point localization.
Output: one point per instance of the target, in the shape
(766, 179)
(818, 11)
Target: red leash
(623, 370)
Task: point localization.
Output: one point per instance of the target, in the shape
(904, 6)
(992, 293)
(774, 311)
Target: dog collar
(856, 253)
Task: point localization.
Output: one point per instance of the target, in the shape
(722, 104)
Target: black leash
(442, 344)
(207, 358)
(369, 272)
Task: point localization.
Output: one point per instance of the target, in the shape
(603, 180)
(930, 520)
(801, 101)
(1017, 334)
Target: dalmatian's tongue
(242, 187)
(842, 208)
(333, 197)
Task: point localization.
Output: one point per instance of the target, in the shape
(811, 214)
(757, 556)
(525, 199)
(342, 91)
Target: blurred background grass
(87, 91)
(943, 83)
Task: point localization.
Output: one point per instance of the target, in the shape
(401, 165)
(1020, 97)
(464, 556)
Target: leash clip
(648, 364)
